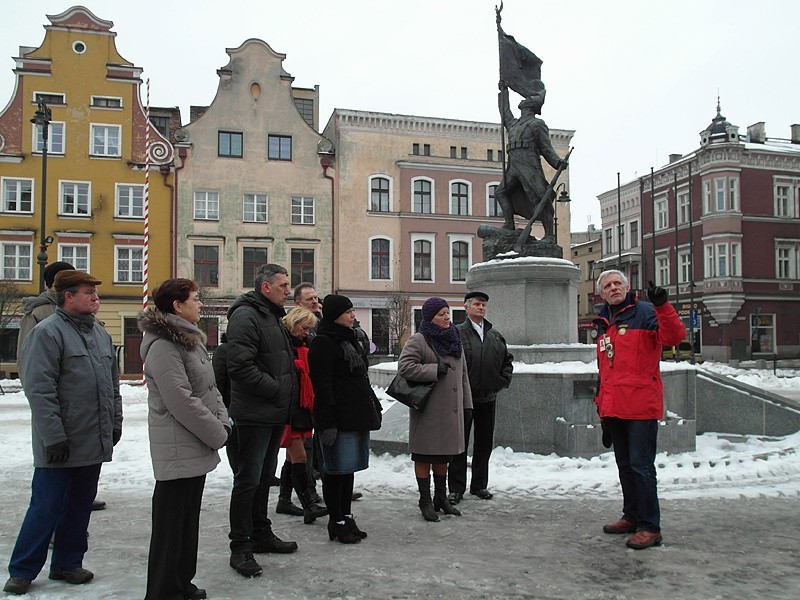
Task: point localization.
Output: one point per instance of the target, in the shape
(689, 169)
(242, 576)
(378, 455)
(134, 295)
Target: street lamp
(42, 119)
(563, 198)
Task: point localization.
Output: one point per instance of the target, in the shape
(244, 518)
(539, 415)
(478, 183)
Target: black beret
(481, 295)
(51, 270)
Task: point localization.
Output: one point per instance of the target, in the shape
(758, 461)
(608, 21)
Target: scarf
(306, 388)
(346, 337)
(445, 342)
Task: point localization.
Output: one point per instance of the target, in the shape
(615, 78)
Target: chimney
(675, 158)
(756, 133)
(796, 134)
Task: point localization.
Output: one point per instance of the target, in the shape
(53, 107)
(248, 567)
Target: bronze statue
(524, 189)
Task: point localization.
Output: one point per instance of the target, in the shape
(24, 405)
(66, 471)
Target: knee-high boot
(425, 503)
(440, 501)
(300, 481)
(285, 505)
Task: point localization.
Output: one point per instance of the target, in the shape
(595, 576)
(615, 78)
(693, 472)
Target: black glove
(657, 295)
(115, 436)
(606, 434)
(442, 369)
(467, 415)
(328, 436)
(58, 453)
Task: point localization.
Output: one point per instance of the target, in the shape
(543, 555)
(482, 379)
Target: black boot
(285, 504)
(300, 480)
(353, 527)
(425, 503)
(440, 501)
(342, 532)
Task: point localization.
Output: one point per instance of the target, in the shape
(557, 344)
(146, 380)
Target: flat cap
(68, 279)
(483, 296)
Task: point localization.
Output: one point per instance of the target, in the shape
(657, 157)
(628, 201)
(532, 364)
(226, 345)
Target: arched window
(380, 259)
(422, 200)
(379, 194)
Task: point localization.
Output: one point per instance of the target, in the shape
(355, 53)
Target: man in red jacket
(630, 399)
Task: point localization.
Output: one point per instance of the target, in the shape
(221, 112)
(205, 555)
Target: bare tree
(399, 320)
(9, 306)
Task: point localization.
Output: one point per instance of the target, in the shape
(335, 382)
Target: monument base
(532, 300)
(501, 244)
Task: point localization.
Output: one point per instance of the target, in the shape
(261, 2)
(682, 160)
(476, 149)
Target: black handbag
(413, 394)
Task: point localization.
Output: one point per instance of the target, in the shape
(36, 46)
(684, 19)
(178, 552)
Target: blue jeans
(257, 460)
(635, 452)
(61, 502)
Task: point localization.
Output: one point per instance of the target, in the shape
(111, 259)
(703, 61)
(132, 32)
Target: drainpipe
(326, 162)
(173, 234)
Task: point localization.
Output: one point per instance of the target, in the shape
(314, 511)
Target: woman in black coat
(345, 411)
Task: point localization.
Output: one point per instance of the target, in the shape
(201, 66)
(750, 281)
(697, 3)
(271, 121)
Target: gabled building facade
(95, 183)
(410, 193)
(721, 231)
(252, 183)
(586, 251)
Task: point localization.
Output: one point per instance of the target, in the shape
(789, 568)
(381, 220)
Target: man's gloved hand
(328, 436)
(442, 369)
(467, 415)
(58, 453)
(116, 435)
(657, 295)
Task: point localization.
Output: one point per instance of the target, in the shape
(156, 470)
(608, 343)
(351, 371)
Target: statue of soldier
(523, 188)
(524, 184)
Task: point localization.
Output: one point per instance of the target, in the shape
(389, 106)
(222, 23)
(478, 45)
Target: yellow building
(94, 205)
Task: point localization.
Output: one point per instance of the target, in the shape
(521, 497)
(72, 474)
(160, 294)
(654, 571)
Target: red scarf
(306, 389)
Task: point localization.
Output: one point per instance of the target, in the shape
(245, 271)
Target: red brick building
(720, 228)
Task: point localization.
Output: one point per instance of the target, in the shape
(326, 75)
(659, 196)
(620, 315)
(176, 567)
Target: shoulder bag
(414, 394)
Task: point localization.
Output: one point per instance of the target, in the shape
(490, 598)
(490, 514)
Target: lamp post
(563, 198)
(42, 118)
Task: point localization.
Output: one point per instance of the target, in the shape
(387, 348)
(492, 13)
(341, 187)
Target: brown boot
(644, 539)
(621, 526)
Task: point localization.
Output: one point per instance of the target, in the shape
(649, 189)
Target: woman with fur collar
(187, 424)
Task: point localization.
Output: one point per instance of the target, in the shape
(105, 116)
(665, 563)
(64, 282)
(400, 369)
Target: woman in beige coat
(187, 424)
(436, 434)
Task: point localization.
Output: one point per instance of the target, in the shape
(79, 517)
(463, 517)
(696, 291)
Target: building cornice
(428, 126)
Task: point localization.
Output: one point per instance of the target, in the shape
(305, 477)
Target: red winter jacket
(630, 382)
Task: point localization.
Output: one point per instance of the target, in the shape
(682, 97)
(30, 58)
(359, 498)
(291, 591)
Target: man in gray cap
(490, 368)
(71, 369)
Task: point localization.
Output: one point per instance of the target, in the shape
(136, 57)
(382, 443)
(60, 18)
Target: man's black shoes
(482, 494)
(455, 497)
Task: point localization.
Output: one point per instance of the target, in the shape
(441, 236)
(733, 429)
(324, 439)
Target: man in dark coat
(263, 381)
(72, 386)
(490, 368)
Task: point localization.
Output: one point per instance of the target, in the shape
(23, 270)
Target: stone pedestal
(549, 406)
(532, 300)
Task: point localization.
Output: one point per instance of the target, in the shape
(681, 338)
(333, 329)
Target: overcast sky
(637, 80)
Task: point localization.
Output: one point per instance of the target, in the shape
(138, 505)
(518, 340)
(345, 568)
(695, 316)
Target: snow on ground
(723, 466)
